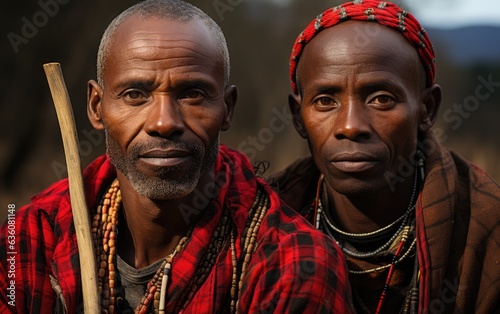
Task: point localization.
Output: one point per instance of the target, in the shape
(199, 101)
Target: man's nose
(352, 121)
(165, 117)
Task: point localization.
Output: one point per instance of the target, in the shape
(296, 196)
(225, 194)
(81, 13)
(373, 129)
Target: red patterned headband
(384, 13)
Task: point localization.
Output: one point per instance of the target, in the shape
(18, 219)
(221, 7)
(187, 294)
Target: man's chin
(356, 187)
(164, 185)
(163, 190)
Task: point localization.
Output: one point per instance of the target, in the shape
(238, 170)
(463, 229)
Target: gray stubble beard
(163, 186)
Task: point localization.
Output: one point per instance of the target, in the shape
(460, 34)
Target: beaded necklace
(322, 222)
(331, 229)
(104, 231)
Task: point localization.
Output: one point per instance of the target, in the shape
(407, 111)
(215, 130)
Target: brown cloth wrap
(458, 229)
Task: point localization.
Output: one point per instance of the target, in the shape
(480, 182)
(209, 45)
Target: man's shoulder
(282, 224)
(484, 196)
(296, 184)
(295, 266)
(55, 200)
(479, 183)
(50, 200)
(473, 191)
(293, 173)
(481, 180)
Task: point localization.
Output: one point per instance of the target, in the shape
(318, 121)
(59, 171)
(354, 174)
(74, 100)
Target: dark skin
(361, 108)
(161, 84)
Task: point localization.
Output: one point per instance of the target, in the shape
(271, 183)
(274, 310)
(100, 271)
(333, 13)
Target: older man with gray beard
(179, 222)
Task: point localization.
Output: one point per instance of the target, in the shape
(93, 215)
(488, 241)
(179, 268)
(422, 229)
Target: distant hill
(468, 45)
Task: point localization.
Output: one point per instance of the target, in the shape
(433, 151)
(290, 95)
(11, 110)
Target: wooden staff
(81, 220)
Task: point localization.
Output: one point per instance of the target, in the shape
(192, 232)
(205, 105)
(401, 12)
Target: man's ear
(94, 100)
(230, 98)
(294, 106)
(431, 101)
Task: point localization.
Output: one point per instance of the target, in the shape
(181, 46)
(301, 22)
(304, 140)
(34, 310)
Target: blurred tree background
(260, 34)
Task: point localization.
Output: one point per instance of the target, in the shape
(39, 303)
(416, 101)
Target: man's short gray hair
(177, 10)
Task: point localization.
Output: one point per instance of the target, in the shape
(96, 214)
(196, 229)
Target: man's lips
(354, 162)
(165, 158)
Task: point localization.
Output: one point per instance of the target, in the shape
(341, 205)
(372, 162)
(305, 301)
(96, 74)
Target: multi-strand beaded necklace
(397, 243)
(104, 230)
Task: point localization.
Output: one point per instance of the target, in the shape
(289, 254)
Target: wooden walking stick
(81, 219)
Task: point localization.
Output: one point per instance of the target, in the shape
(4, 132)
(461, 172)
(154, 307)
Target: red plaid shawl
(458, 230)
(294, 268)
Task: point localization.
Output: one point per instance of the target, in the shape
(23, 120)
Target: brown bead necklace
(104, 231)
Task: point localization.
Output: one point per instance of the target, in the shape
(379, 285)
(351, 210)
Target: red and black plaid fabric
(458, 229)
(45, 243)
(295, 268)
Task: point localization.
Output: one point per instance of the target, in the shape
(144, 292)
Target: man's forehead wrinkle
(152, 35)
(154, 41)
(158, 43)
(175, 54)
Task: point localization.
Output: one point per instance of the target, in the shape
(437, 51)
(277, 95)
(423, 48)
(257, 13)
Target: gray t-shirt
(132, 284)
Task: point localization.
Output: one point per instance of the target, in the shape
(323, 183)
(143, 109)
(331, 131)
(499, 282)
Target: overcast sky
(447, 13)
(454, 13)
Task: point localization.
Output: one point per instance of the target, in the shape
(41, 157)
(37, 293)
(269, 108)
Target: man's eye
(134, 94)
(192, 94)
(384, 101)
(324, 102)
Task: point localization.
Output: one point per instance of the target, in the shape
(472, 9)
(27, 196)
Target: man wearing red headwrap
(419, 225)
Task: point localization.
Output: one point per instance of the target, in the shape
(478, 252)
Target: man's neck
(149, 230)
(370, 211)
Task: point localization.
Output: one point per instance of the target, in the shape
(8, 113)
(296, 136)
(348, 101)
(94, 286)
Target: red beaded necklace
(104, 231)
